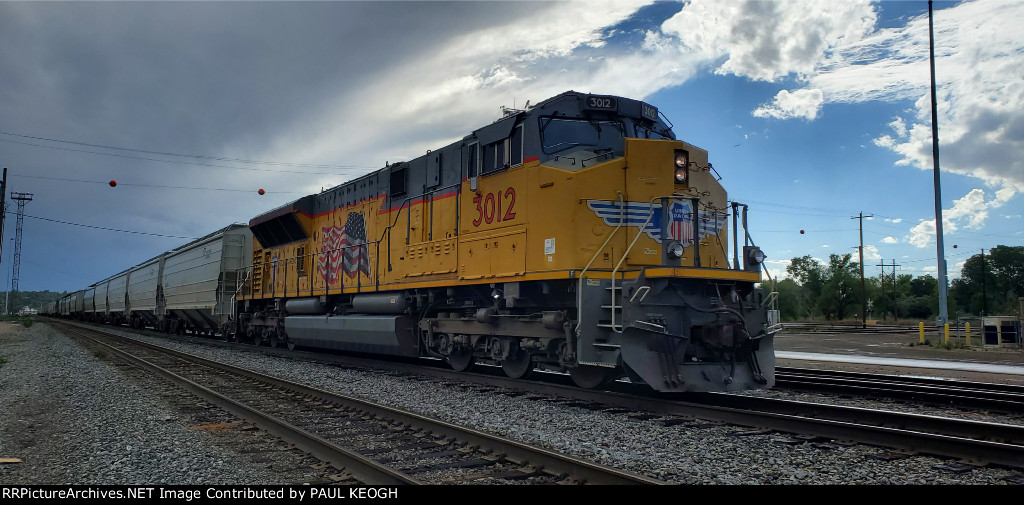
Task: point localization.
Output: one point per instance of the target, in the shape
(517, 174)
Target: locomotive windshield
(647, 133)
(560, 134)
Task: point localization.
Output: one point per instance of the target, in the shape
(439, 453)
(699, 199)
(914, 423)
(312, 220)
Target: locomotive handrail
(406, 201)
(234, 296)
(626, 254)
(599, 155)
(579, 289)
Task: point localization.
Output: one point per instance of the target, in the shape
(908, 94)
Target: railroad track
(846, 328)
(374, 444)
(997, 397)
(973, 441)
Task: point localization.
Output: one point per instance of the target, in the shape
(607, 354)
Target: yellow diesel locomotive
(576, 235)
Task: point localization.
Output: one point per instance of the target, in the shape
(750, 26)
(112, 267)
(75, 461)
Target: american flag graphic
(344, 249)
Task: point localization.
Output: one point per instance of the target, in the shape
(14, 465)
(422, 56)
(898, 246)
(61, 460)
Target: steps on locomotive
(599, 336)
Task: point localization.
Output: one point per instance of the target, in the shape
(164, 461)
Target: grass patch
(950, 345)
(27, 321)
(3, 359)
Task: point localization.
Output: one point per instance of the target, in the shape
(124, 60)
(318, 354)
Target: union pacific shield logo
(649, 218)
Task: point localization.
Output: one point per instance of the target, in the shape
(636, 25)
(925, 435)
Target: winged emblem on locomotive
(650, 218)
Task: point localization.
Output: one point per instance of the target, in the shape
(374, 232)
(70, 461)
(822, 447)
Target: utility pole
(881, 278)
(863, 289)
(3, 217)
(939, 250)
(893, 297)
(3, 211)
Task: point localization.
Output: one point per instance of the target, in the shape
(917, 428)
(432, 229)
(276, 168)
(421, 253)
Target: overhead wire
(146, 185)
(198, 156)
(108, 229)
(182, 162)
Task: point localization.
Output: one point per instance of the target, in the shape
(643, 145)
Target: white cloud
(871, 253)
(893, 220)
(921, 234)
(768, 40)
(970, 211)
(802, 103)
(835, 51)
(890, 240)
(899, 126)
(825, 246)
(981, 91)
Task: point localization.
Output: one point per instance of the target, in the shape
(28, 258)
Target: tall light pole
(939, 250)
(22, 199)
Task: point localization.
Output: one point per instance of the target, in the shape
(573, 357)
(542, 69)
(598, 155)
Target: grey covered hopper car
(145, 294)
(200, 279)
(189, 288)
(117, 300)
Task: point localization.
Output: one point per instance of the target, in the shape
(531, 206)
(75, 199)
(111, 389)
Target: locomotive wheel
(290, 344)
(590, 377)
(274, 340)
(460, 359)
(518, 366)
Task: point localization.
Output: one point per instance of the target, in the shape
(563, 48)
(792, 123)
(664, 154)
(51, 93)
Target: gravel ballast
(74, 419)
(688, 453)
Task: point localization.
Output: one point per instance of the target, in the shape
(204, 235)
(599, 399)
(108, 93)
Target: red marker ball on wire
(801, 232)
(113, 183)
(262, 191)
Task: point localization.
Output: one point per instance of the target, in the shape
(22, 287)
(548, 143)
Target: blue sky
(811, 111)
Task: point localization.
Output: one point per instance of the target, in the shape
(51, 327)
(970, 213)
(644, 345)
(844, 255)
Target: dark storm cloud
(220, 79)
(203, 75)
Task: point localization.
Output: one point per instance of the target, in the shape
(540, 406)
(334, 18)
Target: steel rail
(584, 471)
(1002, 397)
(905, 379)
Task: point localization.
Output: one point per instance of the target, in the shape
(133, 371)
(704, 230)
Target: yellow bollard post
(945, 338)
(920, 329)
(968, 334)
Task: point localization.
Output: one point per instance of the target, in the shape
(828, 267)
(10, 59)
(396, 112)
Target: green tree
(790, 305)
(925, 285)
(841, 288)
(810, 275)
(990, 284)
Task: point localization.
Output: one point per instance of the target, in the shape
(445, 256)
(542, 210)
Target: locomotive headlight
(756, 256)
(681, 164)
(675, 250)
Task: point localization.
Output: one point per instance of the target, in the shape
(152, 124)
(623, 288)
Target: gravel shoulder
(74, 419)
